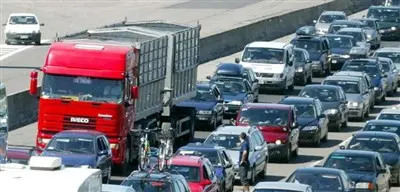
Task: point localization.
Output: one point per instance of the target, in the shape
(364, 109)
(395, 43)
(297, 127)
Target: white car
(22, 28)
(389, 114)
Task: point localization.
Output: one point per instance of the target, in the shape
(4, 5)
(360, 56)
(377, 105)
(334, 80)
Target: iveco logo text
(79, 120)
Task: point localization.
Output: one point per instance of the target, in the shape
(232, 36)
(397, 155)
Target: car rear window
(350, 87)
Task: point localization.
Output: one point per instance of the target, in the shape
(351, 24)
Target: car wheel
(394, 90)
(232, 185)
(264, 171)
(291, 87)
(367, 113)
(37, 42)
(283, 90)
(288, 154)
(383, 99)
(372, 104)
(344, 124)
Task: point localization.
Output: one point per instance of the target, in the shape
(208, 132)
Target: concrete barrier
(23, 108)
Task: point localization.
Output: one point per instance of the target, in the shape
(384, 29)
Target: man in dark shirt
(244, 161)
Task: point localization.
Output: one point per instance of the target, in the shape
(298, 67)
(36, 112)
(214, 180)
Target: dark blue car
(311, 118)
(79, 148)
(209, 105)
(373, 67)
(219, 158)
(384, 143)
(340, 49)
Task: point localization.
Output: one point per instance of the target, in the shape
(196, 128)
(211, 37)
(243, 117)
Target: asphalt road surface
(308, 156)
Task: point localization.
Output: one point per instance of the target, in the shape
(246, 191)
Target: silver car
(370, 27)
(392, 53)
(228, 137)
(359, 35)
(326, 18)
(357, 94)
(281, 186)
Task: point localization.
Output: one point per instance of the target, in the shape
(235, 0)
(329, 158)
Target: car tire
(291, 87)
(394, 91)
(344, 124)
(372, 104)
(232, 185)
(288, 154)
(38, 42)
(283, 90)
(383, 99)
(214, 124)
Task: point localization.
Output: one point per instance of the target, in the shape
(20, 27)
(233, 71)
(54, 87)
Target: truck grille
(79, 122)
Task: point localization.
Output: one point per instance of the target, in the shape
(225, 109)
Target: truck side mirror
(134, 92)
(237, 60)
(33, 85)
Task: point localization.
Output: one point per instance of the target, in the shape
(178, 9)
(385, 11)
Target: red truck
(118, 79)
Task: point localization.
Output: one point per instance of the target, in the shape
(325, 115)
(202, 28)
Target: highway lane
(70, 16)
(308, 156)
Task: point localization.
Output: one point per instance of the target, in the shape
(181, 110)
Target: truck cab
(272, 62)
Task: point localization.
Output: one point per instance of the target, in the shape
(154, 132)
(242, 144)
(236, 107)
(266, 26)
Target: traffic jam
(128, 96)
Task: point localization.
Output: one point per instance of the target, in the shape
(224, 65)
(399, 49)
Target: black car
(318, 48)
(334, 102)
(237, 70)
(392, 126)
(209, 104)
(340, 49)
(156, 181)
(335, 26)
(322, 179)
(310, 117)
(366, 168)
(302, 63)
(388, 21)
(385, 143)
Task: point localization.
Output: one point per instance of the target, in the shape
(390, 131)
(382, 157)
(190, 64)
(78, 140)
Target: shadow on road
(350, 129)
(330, 143)
(306, 159)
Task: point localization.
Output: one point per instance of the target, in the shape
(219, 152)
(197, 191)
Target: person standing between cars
(244, 161)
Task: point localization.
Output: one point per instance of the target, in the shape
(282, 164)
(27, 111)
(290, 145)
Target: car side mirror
(250, 92)
(42, 24)
(229, 165)
(258, 148)
(205, 182)
(342, 147)
(294, 125)
(290, 63)
(344, 102)
(314, 21)
(384, 75)
(232, 121)
(237, 60)
(308, 61)
(322, 116)
(103, 152)
(208, 77)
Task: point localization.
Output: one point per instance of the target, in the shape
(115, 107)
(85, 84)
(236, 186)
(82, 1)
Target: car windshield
(274, 190)
(384, 128)
(350, 87)
(356, 35)
(203, 94)
(324, 95)
(304, 110)
(361, 66)
(143, 185)
(71, 145)
(259, 116)
(82, 88)
(384, 14)
(340, 42)
(211, 155)
(385, 66)
(381, 145)
(389, 116)
(231, 87)
(394, 56)
(350, 163)
(299, 57)
(263, 55)
(230, 142)
(191, 173)
(23, 20)
(330, 18)
(368, 23)
(320, 182)
(310, 46)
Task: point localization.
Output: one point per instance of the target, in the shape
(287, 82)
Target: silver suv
(326, 18)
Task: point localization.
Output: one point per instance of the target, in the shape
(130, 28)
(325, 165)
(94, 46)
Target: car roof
(298, 99)
(350, 29)
(187, 160)
(322, 86)
(345, 78)
(385, 59)
(384, 122)
(216, 78)
(157, 176)
(202, 147)
(266, 106)
(375, 133)
(267, 44)
(390, 111)
(388, 49)
(367, 59)
(22, 14)
(341, 21)
(79, 133)
(281, 186)
(319, 170)
(337, 35)
(354, 152)
(308, 38)
(230, 129)
(333, 13)
(350, 73)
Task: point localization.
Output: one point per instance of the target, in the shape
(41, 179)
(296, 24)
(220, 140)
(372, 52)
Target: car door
(230, 174)
(323, 121)
(209, 171)
(250, 94)
(344, 110)
(365, 94)
(294, 131)
(253, 81)
(370, 86)
(182, 186)
(324, 55)
(101, 157)
(108, 156)
(290, 69)
(260, 158)
(307, 65)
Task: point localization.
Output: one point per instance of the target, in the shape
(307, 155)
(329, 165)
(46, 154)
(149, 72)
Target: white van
(272, 62)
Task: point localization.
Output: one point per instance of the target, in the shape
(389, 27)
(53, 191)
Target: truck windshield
(259, 116)
(384, 14)
(82, 88)
(71, 145)
(144, 185)
(263, 55)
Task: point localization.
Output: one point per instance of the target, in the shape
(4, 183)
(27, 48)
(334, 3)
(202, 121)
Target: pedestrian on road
(244, 161)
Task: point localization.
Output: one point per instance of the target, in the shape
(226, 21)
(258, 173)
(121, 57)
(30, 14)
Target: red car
(20, 154)
(198, 172)
(278, 125)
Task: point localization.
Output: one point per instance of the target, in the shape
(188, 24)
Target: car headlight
(236, 102)
(376, 88)
(381, 31)
(369, 36)
(278, 142)
(310, 128)
(299, 69)
(3, 122)
(393, 28)
(332, 111)
(278, 75)
(365, 185)
(202, 112)
(345, 56)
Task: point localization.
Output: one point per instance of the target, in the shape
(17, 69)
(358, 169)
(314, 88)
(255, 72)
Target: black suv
(156, 181)
(318, 48)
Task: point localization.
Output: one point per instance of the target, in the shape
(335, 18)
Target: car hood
(264, 67)
(307, 121)
(199, 105)
(353, 97)
(229, 97)
(340, 51)
(22, 28)
(390, 158)
(322, 26)
(330, 105)
(195, 187)
(315, 56)
(71, 159)
(362, 177)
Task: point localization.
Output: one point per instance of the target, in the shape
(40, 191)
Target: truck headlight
(332, 111)
(236, 102)
(365, 185)
(310, 128)
(202, 112)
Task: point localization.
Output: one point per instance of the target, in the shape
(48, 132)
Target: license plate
(334, 61)
(226, 108)
(24, 37)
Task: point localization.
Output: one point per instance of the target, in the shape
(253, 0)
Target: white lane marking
(10, 50)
